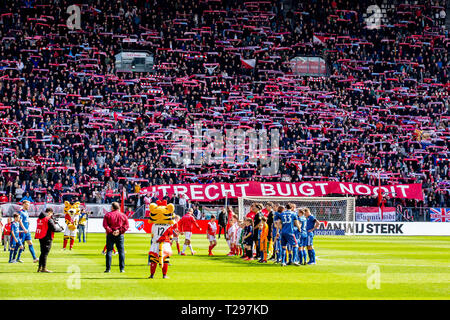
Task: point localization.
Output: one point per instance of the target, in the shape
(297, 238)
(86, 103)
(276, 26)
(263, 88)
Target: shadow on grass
(239, 262)
(31, 272)
(117, 278)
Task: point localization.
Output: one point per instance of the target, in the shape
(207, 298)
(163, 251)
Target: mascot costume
(71, 215)
(161, 215)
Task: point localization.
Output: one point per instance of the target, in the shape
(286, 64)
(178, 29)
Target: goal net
(337, 209)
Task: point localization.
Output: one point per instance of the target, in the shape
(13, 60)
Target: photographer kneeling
(46, 226)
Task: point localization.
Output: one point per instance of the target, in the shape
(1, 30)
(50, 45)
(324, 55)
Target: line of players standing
(284, 231)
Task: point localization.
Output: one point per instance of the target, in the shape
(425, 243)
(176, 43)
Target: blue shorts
(288, 238)
(297, 236)
(13, 243)
(309, 241)
(25, 236)
(303, 240)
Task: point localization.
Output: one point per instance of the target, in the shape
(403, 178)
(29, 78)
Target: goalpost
(339, 209)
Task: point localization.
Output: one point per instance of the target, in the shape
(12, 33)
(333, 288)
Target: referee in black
(46, 226)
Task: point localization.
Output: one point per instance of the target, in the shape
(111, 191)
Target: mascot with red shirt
(71, 216)
(162, 217)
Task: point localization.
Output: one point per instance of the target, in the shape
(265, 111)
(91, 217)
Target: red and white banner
(216, 191)
(319, 39)
(248, 63)
(371, 214)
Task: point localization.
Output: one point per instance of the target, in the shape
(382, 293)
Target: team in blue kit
(287, 220)
(293, 234)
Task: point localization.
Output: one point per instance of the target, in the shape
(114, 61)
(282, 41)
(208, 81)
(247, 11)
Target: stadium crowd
(72, 126)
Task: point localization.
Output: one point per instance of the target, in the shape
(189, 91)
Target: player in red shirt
(186, 223)
(230, 216)
(176, 232)
(211, 234)
(253, 211)
(267, 209)
(232, 236)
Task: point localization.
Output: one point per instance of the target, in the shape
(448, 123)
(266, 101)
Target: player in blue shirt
(16, 244)
(290, 248)
(297, 238)
(287, 219)
(311, 225)
(25, 234)
(276, 241)
(302, 235)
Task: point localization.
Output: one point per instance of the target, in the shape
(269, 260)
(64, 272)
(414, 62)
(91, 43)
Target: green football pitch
(347, 268)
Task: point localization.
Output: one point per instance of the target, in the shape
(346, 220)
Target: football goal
(336, 209)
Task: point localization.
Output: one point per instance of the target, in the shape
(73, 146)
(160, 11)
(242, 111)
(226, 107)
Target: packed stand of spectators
(72, 126)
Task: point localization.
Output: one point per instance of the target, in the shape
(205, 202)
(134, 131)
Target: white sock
(184, 248)
(190, 247)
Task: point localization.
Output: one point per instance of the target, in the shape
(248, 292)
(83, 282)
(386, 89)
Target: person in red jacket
(7, 234)
(45, 229)
(211, 234)
(186, 224)
(115, 224)
(3, 199)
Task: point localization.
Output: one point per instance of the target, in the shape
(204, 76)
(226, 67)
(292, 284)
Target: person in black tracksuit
(270, 217)
(256, 221)
(223, 220)
(46, 241)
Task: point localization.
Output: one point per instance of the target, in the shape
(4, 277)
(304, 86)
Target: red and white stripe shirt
(212, 228)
